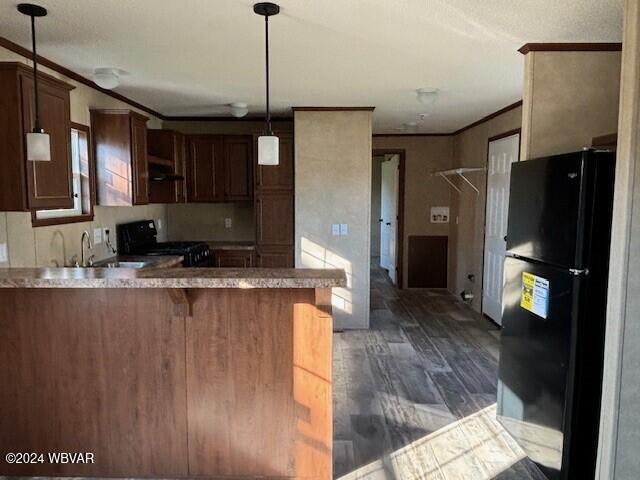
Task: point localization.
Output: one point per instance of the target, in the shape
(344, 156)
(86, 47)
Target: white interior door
(389, 215)
(502, 153)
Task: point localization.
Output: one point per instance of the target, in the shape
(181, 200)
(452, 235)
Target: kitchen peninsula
(169, 372)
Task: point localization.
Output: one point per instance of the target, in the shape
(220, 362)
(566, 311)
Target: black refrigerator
(554, 302)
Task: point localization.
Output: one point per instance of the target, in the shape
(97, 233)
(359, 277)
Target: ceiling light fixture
(107, 78)
(268, 144)
(239, 109)
(427, 95)
(38, 141)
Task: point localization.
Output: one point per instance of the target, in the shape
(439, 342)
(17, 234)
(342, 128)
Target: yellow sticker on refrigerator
(535, 294)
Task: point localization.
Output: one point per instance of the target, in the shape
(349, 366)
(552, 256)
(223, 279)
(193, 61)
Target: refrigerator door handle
(579, 271)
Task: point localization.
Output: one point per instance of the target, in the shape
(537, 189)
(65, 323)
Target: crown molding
(183, 118)
(15, 48)
(412, 134)
(333, 109)
(26, 53)
(570, 47)
(506, 109)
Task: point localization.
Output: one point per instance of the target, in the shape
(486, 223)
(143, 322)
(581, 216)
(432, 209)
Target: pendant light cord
(36, 127)
(266, 30)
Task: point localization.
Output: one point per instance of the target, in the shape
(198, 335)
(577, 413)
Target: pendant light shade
(38, 147)
(268, 150)
(268, 143)
(38, 141)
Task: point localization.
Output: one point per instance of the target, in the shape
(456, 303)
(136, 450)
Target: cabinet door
(49, 183)
(278, 177)
(238, 162)
(204, 169)
(140, 164)
(233, 259)
(275, 257)
(180, 158)
(274, 219)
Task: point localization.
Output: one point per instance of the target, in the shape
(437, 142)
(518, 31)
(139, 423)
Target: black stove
(140, 238)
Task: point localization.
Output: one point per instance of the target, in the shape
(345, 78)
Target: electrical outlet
(4, 254)
(228, 223)
(97, 236)
(335, 229)
(159, 224)
(344, 229)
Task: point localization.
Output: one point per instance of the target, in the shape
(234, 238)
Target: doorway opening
(387, 213)
(502, 151)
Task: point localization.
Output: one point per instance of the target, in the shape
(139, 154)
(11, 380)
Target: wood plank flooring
(414, 396)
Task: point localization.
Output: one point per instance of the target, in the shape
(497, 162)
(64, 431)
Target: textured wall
(569, 98)
(333, 185)
(620, 418)
(466, 242)
(423, 155)
(205, 221)
(46, 246)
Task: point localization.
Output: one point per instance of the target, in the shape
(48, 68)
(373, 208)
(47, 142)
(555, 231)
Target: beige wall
(569, 98)
(46, 246)
(423, 155)
(466, 242)
(620, 414)
(205, 221)
(333, 185)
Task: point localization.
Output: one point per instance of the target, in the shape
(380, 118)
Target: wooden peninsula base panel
(238, 384)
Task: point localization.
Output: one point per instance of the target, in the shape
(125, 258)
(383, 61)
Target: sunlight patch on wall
(314, 255)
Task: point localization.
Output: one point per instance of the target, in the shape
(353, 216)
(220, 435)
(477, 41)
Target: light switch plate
(228, 223)
(97, 236)
(344, 229)
(4, 254)
(159, 224)
(335, 229)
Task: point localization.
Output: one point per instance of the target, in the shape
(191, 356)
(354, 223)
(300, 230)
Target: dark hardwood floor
(414, 396)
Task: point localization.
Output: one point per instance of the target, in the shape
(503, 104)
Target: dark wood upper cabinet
(205, 163)
(238, 163)
(140, 160)
(180, 155)
(167, 155)
(219, 168)
(28, 185)
(120, 146)
(277, 177)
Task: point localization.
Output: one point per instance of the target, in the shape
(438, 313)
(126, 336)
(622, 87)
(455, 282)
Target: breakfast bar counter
(168, 373)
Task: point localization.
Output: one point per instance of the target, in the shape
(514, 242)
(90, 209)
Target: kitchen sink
(117, 264)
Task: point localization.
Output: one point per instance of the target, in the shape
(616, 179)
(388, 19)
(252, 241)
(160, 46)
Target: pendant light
(268, 143)
(38, 142)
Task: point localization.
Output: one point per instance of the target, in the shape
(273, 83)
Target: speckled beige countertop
(150, 261)
(170, 278)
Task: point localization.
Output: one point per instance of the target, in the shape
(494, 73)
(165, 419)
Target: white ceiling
(188, 57)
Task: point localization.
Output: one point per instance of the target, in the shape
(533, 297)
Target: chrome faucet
(82, 258)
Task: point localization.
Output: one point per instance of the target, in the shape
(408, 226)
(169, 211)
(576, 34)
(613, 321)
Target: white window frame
(76, 210)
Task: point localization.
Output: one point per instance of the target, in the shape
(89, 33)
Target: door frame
(400, 230)
(500, 136)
